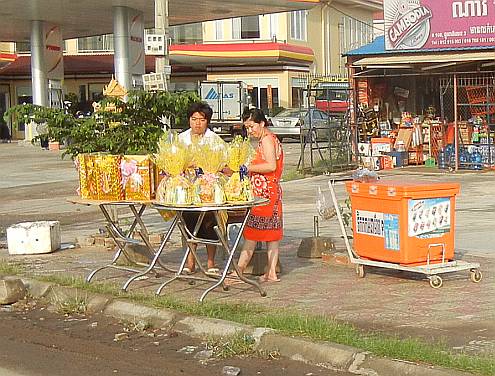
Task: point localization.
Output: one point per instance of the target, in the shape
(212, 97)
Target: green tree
(133, 127)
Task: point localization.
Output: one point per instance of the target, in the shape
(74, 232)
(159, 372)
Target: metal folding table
(240, 211)
(123, 238)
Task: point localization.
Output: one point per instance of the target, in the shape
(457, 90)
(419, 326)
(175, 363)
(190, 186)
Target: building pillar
(162, 63)
(121, 46)
(39, 80)
(128, 33)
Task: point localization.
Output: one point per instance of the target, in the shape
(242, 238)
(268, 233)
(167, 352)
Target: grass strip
(315, 327)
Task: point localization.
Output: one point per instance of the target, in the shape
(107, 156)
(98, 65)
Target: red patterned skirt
(265, 223)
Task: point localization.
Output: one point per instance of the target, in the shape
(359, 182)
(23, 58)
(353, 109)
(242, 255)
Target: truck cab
(228, 100)
(333, 96)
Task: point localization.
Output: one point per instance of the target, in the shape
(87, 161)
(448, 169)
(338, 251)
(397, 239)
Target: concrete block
(37, 289)
(85, 241)
(258, 263)
(156, 238)
(97, 303)
(99, 241)
(313, 247)
(130, 311)
(11, 291)
(109, 243)
(33, 237)
(330, 354)
(335, 258)
(201, 327)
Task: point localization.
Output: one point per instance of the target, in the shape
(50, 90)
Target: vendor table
(238, 213)
(122, 238)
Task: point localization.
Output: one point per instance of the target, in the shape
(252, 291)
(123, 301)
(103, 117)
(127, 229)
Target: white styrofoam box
(33, 237)
(364, 149)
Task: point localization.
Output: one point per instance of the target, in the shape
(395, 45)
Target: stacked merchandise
(115, 177)
(192, 175)
(465, 132)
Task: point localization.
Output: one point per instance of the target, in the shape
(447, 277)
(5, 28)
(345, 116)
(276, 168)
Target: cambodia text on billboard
(438, 24)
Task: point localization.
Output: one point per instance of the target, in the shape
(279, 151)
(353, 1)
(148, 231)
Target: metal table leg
(121, 239)
(116, 233)
(231, 251)
(156, 256)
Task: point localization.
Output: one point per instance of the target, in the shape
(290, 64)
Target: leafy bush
(133, 128)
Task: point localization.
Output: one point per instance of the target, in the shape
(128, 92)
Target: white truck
(227, 99)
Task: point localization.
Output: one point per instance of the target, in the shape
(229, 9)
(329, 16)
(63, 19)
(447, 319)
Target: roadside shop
(427, 103)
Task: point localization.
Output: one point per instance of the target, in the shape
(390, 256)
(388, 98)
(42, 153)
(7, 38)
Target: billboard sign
(438, 24)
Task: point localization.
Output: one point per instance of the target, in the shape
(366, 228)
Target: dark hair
(201, 107)
(255, 114)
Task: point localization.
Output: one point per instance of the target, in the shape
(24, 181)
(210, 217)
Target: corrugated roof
(377, 47)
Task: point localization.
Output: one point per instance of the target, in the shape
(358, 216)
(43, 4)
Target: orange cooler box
(400, 222)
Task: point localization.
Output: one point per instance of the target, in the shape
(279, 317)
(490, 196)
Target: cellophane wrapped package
(109, 177)
(138, 177)
(238, 187)
(173, 158)
(210, 158)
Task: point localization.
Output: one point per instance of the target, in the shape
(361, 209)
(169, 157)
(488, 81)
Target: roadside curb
(326, 354)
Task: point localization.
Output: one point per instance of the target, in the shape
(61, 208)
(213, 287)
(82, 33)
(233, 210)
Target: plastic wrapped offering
(238, 187)
(138, 177)
(210, 158)
(173, 158)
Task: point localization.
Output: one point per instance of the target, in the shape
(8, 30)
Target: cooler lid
(390, 188)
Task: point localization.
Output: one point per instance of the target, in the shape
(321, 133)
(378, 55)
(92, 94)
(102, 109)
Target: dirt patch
(37, 341)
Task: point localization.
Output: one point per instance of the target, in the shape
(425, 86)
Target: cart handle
(430, 246)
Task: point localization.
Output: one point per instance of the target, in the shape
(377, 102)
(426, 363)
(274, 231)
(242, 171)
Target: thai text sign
(438, 24)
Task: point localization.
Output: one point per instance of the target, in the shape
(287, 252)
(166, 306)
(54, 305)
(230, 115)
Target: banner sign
(438, 24)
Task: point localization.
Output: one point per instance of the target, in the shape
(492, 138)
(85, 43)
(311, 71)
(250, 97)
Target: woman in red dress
(264, 224)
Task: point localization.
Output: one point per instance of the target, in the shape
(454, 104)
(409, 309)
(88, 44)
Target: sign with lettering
(54, 51)
(438, 24)
(369, 223)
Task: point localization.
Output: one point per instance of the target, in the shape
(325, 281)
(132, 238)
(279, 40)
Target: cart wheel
(360, 270)
(436, 281)
(475, 275)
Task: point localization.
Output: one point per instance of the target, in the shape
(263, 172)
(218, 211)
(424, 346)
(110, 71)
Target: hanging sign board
(438, 24)
(54, 51)
(136, 42)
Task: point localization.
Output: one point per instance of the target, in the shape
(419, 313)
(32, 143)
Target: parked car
(288, 123)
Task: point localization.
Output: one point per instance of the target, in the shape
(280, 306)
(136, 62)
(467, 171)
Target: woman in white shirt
(199, 114)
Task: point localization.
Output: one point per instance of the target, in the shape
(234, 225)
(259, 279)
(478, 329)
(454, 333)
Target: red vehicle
(332, 97)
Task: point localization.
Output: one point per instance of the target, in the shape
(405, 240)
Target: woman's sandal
(187, 270)
(213, 271)
(264, 279)
(232, 279)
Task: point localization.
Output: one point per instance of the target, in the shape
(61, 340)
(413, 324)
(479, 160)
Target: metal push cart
(432, 271)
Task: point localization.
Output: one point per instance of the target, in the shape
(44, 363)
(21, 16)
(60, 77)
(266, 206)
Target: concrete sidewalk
(461, 313)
